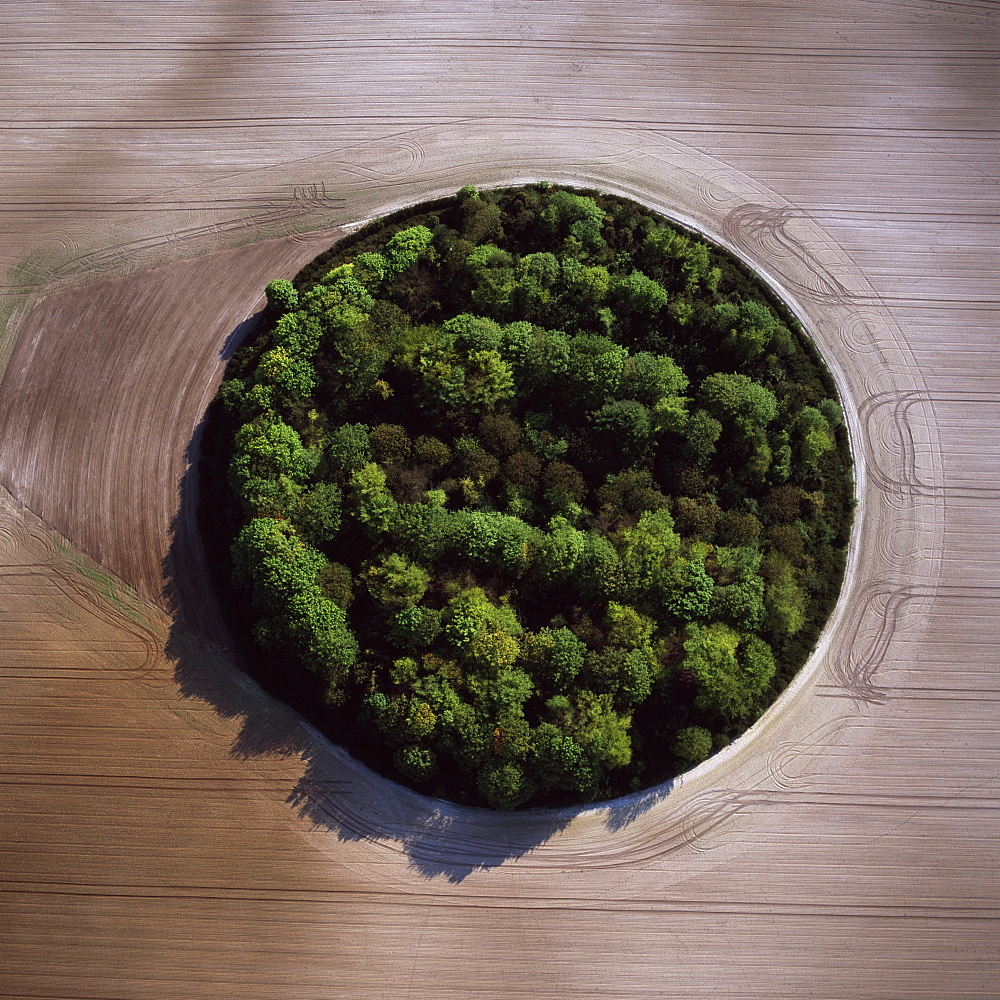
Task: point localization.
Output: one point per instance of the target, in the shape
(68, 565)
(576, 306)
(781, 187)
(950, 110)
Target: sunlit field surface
(167, 829)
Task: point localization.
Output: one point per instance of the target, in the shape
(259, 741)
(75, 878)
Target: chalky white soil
(166, 830)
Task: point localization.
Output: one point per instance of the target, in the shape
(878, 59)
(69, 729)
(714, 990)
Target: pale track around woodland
(166, 830)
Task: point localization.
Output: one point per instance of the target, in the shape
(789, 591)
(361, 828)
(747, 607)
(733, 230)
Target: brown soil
(165, 829)
(104, 394)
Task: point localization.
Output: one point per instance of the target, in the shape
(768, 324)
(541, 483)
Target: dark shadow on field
(626, 810)
(239, 335)
(336, 793)
(439, 838)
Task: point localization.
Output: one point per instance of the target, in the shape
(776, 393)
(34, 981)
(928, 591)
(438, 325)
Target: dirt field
(167, 830)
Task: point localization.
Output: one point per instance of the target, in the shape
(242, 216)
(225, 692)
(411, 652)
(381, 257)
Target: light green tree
(395, 581)
(736, 398)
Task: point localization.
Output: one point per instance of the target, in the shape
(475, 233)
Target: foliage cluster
(550, 493)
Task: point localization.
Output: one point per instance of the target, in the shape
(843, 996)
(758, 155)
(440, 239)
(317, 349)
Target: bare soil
(165, 829)
(104, 397)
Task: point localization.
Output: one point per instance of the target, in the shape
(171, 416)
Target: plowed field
(166, 830)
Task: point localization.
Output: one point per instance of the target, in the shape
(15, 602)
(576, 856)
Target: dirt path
(165, 829)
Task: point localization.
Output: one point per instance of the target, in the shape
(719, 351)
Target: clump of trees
(548, 495)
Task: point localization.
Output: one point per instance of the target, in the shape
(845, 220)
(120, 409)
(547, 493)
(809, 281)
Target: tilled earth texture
(167, 830)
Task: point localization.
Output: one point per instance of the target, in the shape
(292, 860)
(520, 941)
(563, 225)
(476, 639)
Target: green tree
(299, 333)
(623, 674)
(271, 560)
(560, 762)
(395, 581)
(272, 449)
(757, 661)
(370, 501)
(695, 265)
(485, 634)
(625, 424)
(664, 243)
(554, 656)
(602, 731)
(557, 552)
(404, 719)
(318, 514)
(478, 381)
(349, 448)
(688, 590)
(742, 603)
(282, 296)
(424, 530)
(748, 328)
(816, 436)
(468, 332)
(544, 364)
(831, 410)
(415, 628)
(416, 762)
(693, 745)
(467, 737)
(701, 436)
(371, 269)
(784, 599)
(725, 684)
(578, 216)
(294, 377)
(598, 572)
(263, 496)
(591, 285)
(505, 785)
(738, 399)
(646, 551)
(318, 628)
(594, 370)
(512, 738)
(506, 691)
(628, 628)
(405, 248)
(637, 293)
(649, 377)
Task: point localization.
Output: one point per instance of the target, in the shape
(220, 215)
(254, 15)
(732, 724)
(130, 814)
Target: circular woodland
(532, 496)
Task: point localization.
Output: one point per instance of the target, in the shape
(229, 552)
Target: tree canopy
(547, 496)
